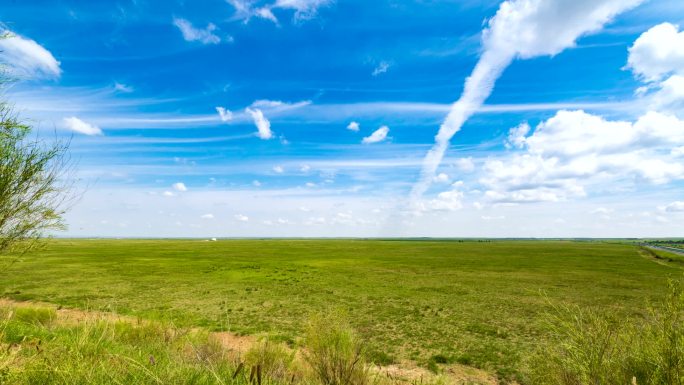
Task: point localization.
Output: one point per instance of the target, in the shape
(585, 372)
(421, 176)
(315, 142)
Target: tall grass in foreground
(588, 348)
(37, 347)
(335, 352)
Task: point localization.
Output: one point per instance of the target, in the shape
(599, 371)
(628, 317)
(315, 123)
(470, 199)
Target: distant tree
(33, 184)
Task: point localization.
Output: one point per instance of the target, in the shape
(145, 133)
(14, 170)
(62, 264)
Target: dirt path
(407, 372)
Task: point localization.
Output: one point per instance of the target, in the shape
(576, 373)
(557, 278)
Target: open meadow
(428, 303)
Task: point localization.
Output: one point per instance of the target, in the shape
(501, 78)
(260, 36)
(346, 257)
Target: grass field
(476, 303)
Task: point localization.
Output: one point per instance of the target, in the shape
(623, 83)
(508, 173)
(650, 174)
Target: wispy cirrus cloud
(381, 68)
(190, 33)
(303, 9)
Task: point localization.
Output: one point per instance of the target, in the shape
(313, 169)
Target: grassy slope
(475, 302)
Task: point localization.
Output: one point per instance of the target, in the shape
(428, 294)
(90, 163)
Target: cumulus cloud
(669, 96)
(658, 53)
(207, 216)
(520, 29)
(516, 136)
(675, 207)
(241, 218)
(465, 164)
(657, 58)
(26, 58)
(677, 152)
(77, 125)
(353, 126)
(378, 136)
(179, 186)
(574, 149)
(450, 200)
(190, 33)
(263, 125)
(278, 169)
(601, 211)
(224, 114)
(441, 178)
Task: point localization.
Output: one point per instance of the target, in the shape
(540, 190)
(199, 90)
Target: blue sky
(580, 136)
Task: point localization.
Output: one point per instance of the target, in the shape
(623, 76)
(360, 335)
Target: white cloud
(266, 13)
(168, 194)
(124, 88)
(278, 169)
(26, 58)
(304, 9)
(669, 96)
(305, 168)
(190, 33)
(256, 183)
(441, 178)
(465, 164)
(520, 29)
(244, 11)
(675, 207)
(263, 125)
(180, 186)
(381, 68)
(658, 53)
(353, 126)
(207, 216)
(378, 136)
(451, 200)
(224, 114)
(677, 152)
(242, 218)
(516, 136)
(601, 211)
(574, 150)
(491, 218)
(77, 125)
(278, 105)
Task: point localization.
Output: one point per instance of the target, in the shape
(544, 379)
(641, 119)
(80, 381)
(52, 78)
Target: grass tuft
(587, 347)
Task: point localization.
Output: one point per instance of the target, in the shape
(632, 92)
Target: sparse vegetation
(335, 352)
(434, 305)
(37, 347)
(591, 347)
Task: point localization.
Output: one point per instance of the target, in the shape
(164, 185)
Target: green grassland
(475, 303)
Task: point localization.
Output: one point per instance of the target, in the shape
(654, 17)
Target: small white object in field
(213, 239)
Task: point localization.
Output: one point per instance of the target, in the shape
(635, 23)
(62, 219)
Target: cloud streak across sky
(520, 29)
